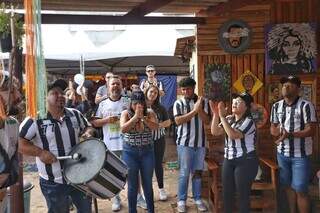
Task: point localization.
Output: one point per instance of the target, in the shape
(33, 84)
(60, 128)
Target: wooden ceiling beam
(117, 20)
(229, 6)
(147, 7)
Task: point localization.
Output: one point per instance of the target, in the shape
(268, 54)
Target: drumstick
(75, 156)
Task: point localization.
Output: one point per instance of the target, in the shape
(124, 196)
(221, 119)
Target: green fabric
(41, 74)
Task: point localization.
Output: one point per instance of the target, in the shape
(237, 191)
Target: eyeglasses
(150, 70)
(237, 102)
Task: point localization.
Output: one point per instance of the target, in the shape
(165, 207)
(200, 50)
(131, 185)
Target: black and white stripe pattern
(162, 115)
(293, 118)
(55, 136)
(192, 133)
(239, 147)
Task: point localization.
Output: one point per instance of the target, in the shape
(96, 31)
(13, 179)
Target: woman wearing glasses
(240, 163)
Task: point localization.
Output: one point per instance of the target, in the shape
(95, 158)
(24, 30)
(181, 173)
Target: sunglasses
(150, 70)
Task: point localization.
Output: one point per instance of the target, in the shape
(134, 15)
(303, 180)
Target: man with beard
(293, 121)
(235, 36)
(9, 131)
(108, 117)
(52, 136)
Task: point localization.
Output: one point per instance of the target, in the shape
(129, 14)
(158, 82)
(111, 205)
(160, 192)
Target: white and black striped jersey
(238, 147)
(56, 136)
(293, 118)
(191, 133)
(162, 115)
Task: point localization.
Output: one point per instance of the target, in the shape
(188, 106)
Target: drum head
(93, 155)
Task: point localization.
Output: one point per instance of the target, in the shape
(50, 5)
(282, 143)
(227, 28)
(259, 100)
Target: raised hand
(139, 111)
(222, 109)
(214, 107)
(198, 105)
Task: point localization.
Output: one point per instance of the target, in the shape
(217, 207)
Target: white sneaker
(163, 194)
(116, 203)
(201, 206)
(181, 206)
(141, 202)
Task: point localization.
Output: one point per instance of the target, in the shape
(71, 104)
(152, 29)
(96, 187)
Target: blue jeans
(139, 158)
(57, 197)
(294, 172)
(191, 160)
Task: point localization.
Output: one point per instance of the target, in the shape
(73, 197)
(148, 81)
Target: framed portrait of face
(291, 48)
(217, 82)
(274, 92)
(306, 91)
(234, 36)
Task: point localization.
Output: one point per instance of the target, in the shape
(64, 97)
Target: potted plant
(5, 29)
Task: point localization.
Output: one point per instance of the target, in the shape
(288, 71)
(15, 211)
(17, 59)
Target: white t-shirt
(9, 136)
(9, 139)
(111, 132)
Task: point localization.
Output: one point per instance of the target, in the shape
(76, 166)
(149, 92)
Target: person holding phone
(136, 124)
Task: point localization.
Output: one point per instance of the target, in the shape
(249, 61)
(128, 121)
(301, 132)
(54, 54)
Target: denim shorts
(294, 172)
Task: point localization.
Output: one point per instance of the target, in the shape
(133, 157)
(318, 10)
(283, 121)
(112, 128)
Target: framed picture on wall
(306, 91)
(291, 48)
(274, 92)
(217, 82)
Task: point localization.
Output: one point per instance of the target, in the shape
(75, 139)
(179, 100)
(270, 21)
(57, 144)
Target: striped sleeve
(309, 113)
(247, 126)
(28, 129)
(177, 109)
(274, 117)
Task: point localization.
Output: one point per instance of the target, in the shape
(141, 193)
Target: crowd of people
(133, 128)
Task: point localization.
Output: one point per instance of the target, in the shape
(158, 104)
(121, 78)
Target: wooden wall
(253, 59)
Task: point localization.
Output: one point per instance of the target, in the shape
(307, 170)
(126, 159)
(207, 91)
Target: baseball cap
(246, 97)
(60, 83)
(292, 79)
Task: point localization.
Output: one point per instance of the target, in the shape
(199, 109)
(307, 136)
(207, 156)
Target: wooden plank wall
(257, 16)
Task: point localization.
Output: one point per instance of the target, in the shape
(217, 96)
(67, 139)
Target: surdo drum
(96, 171)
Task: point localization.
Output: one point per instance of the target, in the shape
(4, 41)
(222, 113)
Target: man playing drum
(108, 117)
(54, 136)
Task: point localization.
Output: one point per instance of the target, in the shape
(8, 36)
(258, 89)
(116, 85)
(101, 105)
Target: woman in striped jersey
(158, 135)
(240, 164)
